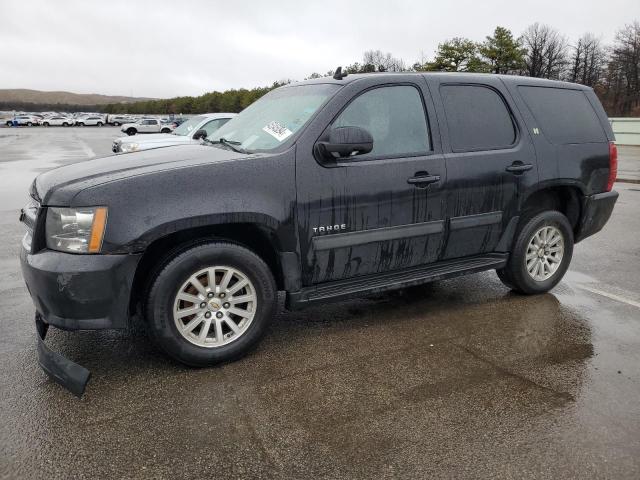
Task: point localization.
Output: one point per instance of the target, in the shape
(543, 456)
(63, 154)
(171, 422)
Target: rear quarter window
(563, 115)
(477, 118)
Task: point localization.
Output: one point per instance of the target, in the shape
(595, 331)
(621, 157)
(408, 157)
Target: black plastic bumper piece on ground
(69, 374)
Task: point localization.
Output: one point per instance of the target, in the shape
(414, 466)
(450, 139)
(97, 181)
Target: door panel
(489, 159)
(363, 216)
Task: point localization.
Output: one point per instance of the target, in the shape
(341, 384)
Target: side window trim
(514, 122)
(430, 151)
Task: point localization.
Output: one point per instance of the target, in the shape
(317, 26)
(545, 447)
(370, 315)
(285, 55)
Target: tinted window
(563, 115)
(394, 116)
(477, 117)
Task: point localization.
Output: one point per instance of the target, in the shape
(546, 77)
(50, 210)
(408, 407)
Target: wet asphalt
(455, 379)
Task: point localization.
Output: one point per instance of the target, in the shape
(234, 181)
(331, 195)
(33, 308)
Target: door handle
(519, 167)
(423, 179)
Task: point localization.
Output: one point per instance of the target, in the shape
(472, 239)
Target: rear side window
(477, 118)
(564, 116)
(395, 118)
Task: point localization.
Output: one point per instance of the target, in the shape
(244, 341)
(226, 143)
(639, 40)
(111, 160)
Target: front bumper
(77, 292)
(596, 210)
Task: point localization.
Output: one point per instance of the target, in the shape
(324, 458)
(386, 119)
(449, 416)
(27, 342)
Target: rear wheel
(210, 303)
(100, 124)
(46, 124)
(541, 254)
(29, 124)
(117, 124)
(165, 130)
(131, 131)
(65, 124)
(80, 124)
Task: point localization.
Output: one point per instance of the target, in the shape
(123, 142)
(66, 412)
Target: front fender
(143, 208)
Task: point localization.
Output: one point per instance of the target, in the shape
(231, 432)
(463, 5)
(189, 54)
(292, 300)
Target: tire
(131, 131)
(165, 130)
(65, 124)
(9, 124)
(552, 255)
(80, 124)
(116, 124)
(29, 124)
(100, 124)
(177, 271)
(46, 124)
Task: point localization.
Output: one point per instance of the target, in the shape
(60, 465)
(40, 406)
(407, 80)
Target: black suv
(325, 189)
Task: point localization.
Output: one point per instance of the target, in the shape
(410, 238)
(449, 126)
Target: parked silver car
(190, 131)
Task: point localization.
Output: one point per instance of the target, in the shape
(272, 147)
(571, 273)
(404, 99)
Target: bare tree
(383, 62)
(588, 61)
(623, 72)
(546, 55)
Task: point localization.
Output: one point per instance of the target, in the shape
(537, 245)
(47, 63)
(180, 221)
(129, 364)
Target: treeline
(48, 107)
(613, 71)
(228, 101)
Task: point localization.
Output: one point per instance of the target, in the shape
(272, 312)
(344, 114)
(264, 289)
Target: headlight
(76, 230)
(128, 147)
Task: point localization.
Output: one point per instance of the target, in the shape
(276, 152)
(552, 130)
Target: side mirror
(200, 134)
(346, 142)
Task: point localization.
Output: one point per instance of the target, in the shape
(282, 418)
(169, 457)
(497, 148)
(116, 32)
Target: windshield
(187, 127)
(268, 122)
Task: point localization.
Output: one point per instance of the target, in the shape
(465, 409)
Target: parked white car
(146, 125)
(27, 120)
(57, 121)
(90, 120)
(191, 131)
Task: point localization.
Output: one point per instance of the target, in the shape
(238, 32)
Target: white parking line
(611, 296)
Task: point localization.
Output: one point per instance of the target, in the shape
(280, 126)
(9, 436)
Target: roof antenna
(338, 75)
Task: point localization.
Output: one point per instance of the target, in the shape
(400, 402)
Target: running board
(357, 286)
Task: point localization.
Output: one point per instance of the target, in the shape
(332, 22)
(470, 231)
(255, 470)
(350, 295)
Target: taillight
(613, 165)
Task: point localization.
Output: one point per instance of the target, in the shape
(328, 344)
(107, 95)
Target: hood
(60, 185)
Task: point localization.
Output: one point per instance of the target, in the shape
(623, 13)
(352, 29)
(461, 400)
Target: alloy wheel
(544, 253)
(215, 306)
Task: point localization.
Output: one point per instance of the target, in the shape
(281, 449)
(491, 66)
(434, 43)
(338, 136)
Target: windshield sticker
(277, 130)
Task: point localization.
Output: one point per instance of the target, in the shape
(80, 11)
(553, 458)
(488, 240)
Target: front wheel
(100, 124)
(210, 303)
(29, 124)
(131, 131)
(165, 130)
(116, 124)
(541, 254)
(46, 124)
(80, 124)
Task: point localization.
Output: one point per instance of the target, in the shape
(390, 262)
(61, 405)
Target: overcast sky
(163, 48)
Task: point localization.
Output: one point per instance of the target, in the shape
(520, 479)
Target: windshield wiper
(231, 144)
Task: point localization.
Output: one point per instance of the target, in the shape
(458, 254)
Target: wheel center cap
(213, 305)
